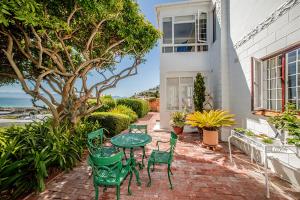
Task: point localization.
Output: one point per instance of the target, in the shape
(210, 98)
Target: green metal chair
(163, 157)
(95, 143)
(136, 128)
(109, 172)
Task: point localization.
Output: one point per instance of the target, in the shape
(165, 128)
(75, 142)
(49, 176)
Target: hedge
(122, 109)
(107, 101)
(139, 106)
(113, 122)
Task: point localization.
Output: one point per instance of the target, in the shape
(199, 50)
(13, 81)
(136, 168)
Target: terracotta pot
(178, 130)
(210, 138)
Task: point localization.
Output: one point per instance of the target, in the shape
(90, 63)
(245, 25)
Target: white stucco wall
(186, 63)
(279, 34)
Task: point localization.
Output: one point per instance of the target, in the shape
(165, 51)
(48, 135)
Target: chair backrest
(107, 167)
(95, 139)
(173, 141)
(137, 128)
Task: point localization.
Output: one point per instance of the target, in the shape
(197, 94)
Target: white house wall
(186, 63)
(279, 34)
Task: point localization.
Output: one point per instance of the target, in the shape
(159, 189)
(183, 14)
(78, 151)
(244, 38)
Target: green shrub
(113, 122)
(122, 109)
(107, 101)
(139, 106)
(27, 154)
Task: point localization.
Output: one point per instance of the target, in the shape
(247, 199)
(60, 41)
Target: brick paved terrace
(199, 173)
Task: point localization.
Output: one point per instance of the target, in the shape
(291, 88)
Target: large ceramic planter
(178, 130)
(210, 138)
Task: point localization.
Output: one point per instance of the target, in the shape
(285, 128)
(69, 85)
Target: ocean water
(15, 102)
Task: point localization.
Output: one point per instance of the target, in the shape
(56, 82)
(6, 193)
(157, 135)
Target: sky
(148, 72)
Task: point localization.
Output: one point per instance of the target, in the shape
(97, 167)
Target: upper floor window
(276, 80)
(185, 33)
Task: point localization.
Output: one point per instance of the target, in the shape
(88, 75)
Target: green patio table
(131, 141)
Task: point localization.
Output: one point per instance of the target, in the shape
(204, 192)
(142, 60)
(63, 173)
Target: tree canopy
(50, 46)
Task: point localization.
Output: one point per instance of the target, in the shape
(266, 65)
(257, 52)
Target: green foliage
(210, 120)
(244, 131)
(267, 140)
(178, 119)
(107, 102)
(57, 44)
(113, 122)
(139, 106)
(199, 92)
(27, 154)
(249, 133)
(122, 109)
(288, 121)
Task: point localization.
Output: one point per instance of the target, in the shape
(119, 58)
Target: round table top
(130, 140)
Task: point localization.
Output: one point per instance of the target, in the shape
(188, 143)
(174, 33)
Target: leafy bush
(113, 122)
(29, 152)
(210, 120)
(107, 102)
(122, 109)
(199, 92)
(288, 121)
(177, 119)
(139, 106)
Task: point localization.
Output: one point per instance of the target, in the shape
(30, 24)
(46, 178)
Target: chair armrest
(159, 141)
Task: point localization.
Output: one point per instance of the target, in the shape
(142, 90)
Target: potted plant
(177, 122)
(210, 122)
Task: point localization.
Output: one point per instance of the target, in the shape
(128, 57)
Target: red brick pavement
(199, 173)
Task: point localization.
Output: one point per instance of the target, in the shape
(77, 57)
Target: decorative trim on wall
(284, 8)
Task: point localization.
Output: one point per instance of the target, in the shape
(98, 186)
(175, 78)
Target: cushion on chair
(159, 156)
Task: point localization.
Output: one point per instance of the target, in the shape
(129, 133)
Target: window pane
(167, 30)
(184, 49)
(279, 105)
(273, 73)
(186, 92)
(279, 94)
(292, 81)
(273, 94)
(202, 48)
(292, 56)
(202, 26)
(167, 49)
(291, 68)
(184, 33)
(278, 83)
(273, 105)
(279, 72)
(172, 94)
(292, 93)
(279, 61)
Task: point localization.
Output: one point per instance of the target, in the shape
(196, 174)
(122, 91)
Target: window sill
(266, 113)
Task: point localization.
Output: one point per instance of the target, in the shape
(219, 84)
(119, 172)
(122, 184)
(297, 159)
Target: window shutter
(258, 85)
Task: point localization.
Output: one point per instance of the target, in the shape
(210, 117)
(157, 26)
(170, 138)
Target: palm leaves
(210, 120)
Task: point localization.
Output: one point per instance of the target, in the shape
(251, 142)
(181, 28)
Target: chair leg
(144, 155)
(129, 191)
(125, 153)
(118, 192)
(169, 177)
(96, 192)
(153, 167)
(171, 171)
(148, 169)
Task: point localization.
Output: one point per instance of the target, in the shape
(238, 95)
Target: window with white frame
(276, 80)
(180, 93)
(185, 33)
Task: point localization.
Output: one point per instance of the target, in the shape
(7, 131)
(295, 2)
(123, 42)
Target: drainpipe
(225, 36)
